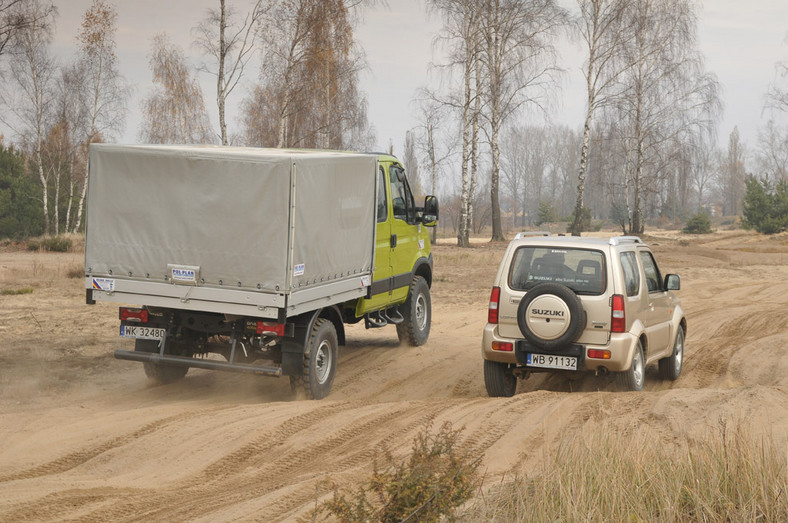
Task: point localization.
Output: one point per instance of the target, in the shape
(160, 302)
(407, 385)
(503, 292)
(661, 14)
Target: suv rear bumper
(621, 347)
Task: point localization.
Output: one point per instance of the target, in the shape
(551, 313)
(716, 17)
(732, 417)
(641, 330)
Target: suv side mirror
(430, 213)
(672, 282)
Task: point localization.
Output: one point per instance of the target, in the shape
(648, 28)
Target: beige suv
(576, 305)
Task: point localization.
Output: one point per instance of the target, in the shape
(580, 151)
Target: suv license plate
(551, 361)
(142, 333)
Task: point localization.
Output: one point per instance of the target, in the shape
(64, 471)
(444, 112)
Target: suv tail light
(618, 320)
(134, 315)
(492, 311)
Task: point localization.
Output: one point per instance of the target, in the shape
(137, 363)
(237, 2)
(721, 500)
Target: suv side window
(383, 210)
(401, 197)
(631, 274)
(651, 272)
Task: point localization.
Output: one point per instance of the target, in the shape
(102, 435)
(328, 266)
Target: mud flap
(293, 351)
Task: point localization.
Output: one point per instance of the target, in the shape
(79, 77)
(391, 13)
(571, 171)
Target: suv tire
(499, 379)
(573, 308)
(634, 378)
(670, 367)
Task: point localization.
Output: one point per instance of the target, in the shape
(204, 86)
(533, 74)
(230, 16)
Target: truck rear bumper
(181, 361)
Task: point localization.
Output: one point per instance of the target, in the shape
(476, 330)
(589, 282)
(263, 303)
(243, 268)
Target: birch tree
(230, 45)
(668, 92)
(106, 91)
(519, 58)
(308, 93)
(462, 34)
(600, 28)
(18, 15)
(27, 107)
(175, 111)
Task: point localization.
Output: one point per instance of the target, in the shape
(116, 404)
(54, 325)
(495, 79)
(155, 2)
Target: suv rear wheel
(499, 379)
(635, 377)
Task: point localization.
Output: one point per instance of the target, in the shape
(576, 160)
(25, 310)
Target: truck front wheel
(417, 311)
(157, 372)
(320, 361)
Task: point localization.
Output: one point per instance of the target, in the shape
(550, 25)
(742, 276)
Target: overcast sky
(741, 42)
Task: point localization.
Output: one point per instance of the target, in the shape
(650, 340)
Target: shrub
(698, 224)
(765, 206)
(435, 480)
(50, 243)
(547, 213)
(16, 292)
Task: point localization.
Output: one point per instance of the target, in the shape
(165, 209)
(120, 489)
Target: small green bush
(547, 213)
(57, 244)
(16, 292)
(698, 224)
(765, 205)
(436, 479)
(51, 244)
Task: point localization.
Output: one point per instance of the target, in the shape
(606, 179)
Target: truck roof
(235, 151)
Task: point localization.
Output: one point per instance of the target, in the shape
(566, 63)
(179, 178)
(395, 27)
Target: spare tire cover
(550, 315)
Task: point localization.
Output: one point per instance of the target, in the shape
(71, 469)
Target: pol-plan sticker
(104, 284)
(298, 270)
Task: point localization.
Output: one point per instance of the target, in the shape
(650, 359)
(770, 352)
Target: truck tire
(320, 361)
(670, 367)
(499, 379)
(159, 373)
(635, 376)
(417, 314)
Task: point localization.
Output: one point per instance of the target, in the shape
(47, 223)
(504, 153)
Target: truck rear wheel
(320, 361)
(160, 373)
(417, 311)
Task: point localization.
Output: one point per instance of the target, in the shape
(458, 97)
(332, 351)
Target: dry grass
(729, 476)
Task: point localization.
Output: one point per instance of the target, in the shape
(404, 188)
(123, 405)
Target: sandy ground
(87, 437)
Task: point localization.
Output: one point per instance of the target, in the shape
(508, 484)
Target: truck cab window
(401, 197)
(383, 211)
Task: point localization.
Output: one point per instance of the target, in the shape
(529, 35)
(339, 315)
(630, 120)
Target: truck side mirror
(672, 282)
(430, 214)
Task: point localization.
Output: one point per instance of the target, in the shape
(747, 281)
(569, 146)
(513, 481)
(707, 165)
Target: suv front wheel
(670, 367)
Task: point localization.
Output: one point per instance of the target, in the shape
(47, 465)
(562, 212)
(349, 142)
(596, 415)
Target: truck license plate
(550, 361)
(142, 333)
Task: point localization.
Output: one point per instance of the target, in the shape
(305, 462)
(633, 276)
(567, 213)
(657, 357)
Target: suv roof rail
(618, 240)
(525, 234)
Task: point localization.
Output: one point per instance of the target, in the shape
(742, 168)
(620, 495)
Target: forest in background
(645, 154)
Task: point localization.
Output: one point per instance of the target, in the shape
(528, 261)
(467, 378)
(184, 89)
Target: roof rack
(526, 234)
(618, 240)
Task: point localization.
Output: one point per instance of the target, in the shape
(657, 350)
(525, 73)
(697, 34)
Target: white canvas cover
(227, 210)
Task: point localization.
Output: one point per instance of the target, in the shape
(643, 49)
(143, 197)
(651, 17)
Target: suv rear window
(582, 270)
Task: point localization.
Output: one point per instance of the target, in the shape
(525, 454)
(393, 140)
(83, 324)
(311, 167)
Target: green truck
(253, 260)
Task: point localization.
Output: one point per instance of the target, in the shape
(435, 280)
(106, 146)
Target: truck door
(381, 274)
(404, 237)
